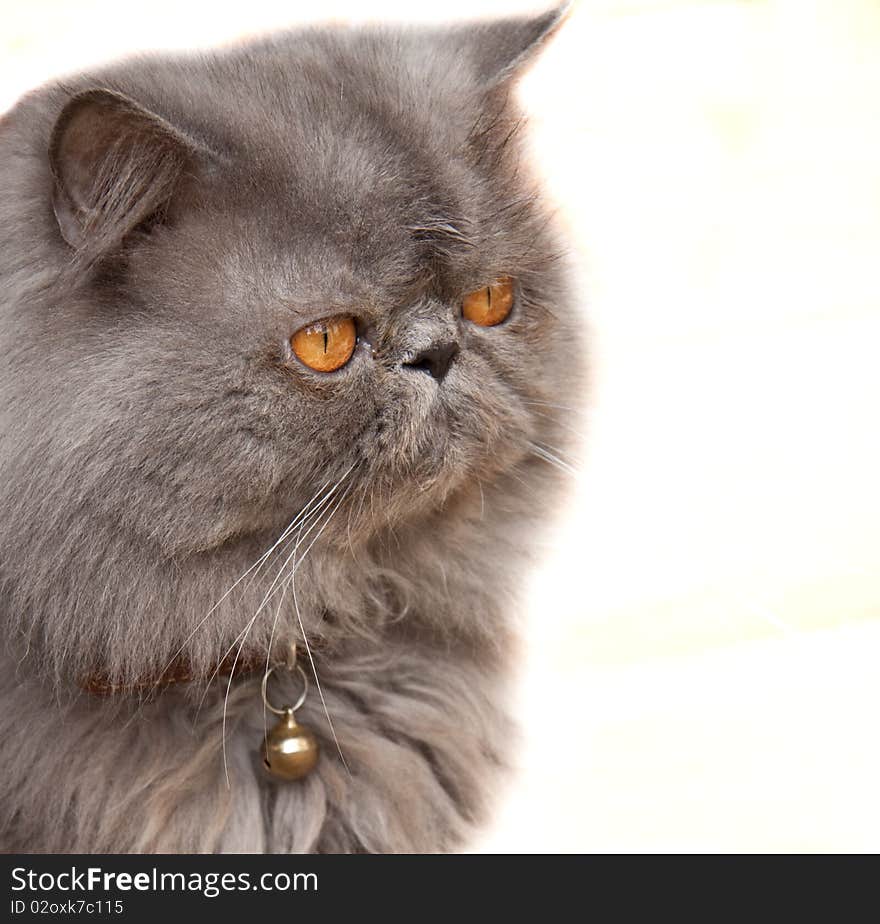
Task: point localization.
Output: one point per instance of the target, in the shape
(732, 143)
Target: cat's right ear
(115, 166)
(503, 49)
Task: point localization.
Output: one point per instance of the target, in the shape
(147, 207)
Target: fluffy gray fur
(166, 225)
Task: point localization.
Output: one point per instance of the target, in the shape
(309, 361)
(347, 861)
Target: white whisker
(543, 453)
(257, 564)
(269, 656)
(279, 575)
(315, 516)
(558, 407)
(311, 656)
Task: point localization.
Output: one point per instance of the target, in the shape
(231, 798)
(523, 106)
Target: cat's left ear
(503, 49)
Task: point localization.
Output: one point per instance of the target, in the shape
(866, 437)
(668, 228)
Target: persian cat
(283, 327)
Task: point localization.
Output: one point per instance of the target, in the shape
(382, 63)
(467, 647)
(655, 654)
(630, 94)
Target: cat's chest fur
(410, 765)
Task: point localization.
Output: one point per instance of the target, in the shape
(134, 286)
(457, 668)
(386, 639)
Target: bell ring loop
(302, 697)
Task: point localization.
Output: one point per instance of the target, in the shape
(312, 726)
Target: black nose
(435, 360)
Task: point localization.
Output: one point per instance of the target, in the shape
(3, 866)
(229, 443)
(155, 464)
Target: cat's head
(304, 270)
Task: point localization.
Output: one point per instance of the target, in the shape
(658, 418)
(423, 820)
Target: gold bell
(290, 750)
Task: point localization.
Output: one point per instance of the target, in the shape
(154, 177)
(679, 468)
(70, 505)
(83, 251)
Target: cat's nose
(435, 360)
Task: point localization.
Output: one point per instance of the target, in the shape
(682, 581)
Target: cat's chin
(413, 499)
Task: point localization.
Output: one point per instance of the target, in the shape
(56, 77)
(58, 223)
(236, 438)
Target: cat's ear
(504, 48)
(115, 165)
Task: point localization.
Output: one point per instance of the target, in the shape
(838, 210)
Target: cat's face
(219, 211)
(352, 191)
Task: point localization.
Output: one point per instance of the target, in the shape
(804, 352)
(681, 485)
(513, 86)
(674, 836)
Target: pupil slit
(325, 340)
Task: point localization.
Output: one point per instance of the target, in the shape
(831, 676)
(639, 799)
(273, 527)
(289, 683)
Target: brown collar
(179, 671)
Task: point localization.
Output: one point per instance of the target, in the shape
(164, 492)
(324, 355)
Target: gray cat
(283, 329)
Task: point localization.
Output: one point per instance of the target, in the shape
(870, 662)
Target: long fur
(157, 438)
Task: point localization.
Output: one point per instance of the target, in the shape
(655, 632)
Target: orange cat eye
(327, 345)
(491, 304)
